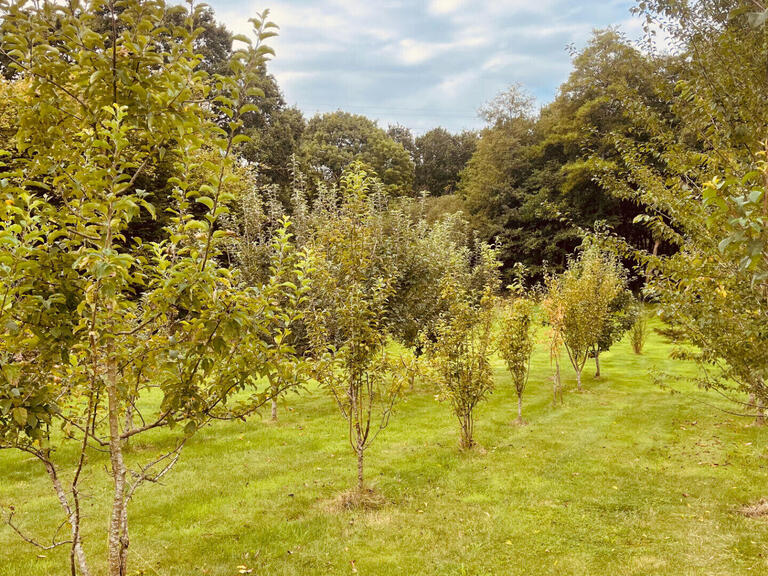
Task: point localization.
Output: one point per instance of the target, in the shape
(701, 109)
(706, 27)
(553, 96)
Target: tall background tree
(529, 184)
(333, 141)
(440, 158)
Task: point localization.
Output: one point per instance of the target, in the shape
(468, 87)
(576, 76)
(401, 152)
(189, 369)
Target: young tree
(354, 277)
(555, 309)
(289, 282)
(424, 256)
(91, 317)
(622, 314)
(460, 348)
(265, 251)
(584, 294)
(516, 343)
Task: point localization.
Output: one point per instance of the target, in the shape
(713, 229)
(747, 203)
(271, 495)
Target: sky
(423, 63)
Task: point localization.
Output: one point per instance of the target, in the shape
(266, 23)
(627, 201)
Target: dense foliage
(529, 185)
(583, 304)
(332, 142)
(701, 183)
(347, 315)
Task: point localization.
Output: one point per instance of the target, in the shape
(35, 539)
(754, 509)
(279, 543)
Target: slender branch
(28, 540)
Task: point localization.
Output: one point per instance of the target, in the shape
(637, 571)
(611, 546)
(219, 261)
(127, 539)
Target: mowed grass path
(625, 478)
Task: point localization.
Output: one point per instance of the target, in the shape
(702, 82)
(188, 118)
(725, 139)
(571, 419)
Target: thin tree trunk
(274, 409)
(118, 541)
(124, 540)
(519, 409)
(467, 442)
(77, 555)
(556, 383)
(578, 379)
(597, 363)
(360, 482)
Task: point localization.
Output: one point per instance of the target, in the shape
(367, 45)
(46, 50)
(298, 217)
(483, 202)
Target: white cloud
(661, 41)
(426, 63)
(411, 52)
(442, 7)
(458, 83)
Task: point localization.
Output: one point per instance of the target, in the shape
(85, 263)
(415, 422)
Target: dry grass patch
(756, 510)
(357, 499)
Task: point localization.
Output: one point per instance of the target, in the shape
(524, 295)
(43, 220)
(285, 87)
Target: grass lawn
(625, 478)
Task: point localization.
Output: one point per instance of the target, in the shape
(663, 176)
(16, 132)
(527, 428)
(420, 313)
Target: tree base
(366, 498)
(466, 446)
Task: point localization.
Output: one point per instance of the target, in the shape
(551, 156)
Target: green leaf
(723, 246)
(242, 38)
(206, 201)
(20, 415)
(245, 108)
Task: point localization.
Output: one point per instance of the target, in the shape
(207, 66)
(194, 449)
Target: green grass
(625, 478)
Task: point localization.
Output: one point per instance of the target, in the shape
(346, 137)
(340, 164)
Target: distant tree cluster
(529, 185)
(438, 155)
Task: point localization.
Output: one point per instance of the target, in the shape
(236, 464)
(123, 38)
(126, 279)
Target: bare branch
(29, 540)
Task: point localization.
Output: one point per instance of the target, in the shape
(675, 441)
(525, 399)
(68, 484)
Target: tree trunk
(597, 363)
(578, 379)
(759, 409)
(118, 540)
(275, 390)
(556, 383)
(467, 441)
(360, 483)
(519, 409)
(77, 554)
